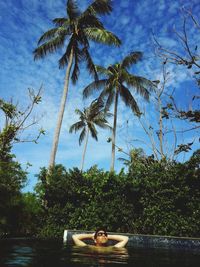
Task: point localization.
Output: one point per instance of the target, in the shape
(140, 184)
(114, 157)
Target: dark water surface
(40, 253)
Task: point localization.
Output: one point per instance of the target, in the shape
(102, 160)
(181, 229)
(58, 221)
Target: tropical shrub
(160, 198)
(12, 179)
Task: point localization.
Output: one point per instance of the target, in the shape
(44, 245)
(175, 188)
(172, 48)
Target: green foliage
(114, 80)
(92, 116)
(77, 28)
(15, 217)
(30, 214)
(7, 135)
(153, 198)
(12, 179)
(16, 122)
(169, 198)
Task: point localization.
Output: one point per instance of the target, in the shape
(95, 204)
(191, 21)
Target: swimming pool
(43, 253)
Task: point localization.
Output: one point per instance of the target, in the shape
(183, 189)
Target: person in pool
(100, 238)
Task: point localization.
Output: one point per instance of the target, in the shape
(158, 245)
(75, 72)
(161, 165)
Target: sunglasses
(102, 233)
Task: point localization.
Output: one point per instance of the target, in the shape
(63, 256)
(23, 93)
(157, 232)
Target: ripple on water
(20, 256)
(52, 253)
(95, 255)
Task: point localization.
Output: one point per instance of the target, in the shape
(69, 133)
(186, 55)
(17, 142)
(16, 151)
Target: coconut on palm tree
(90, 117)
(74, 32)
(117, 81)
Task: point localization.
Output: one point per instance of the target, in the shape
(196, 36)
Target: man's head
(100, 237)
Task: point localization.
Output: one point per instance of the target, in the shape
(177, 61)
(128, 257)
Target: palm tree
(115, 83)
(93, 115)
(134, 154)
(78, 29)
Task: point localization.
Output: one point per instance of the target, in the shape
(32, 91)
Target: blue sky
(24, 21)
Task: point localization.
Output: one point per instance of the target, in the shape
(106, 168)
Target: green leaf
(132, 58)
(102, 36)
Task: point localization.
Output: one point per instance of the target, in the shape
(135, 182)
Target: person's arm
(122, 240)
(77, 238)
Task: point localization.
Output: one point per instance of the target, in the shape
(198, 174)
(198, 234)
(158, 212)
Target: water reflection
(99, 256)
(52, 253)
(20, 256)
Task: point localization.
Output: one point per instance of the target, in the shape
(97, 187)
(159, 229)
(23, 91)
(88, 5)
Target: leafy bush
(12, 179)
(152, 198)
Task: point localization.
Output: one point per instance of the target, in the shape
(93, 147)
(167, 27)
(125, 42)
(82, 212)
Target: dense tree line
(154, 197)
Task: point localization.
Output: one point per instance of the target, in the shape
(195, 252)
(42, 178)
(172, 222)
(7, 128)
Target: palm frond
(54, 33)
(82, 39)
(102, 36)
(110, 99)
(77, 57)
(92, 113)
(49, 47)
(99, 115)
(89, 21)
(99, 103)
(132, 58)
(79, 112)
(76, 71)
(96, 85)
(82, 136)
(90, 63)
(95, 107)
(102, 71)
(146, 83)
(48, 35)
(76, 126)
(61, 22)
(140, 84)
(128, 99)
(64, 59)
(100, 7)
(102, 124)
(114, 69)
(93, 131)
(105, 114)
(72, 9)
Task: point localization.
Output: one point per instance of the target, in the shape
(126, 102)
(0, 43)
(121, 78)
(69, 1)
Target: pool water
(43, 253)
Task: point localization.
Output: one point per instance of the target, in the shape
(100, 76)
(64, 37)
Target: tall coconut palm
(93, 115)
(116, 82)
(75, 31)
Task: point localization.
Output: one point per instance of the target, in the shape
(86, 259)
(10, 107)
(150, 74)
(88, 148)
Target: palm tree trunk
(84, 150)
(61, 113)
(114, 132)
